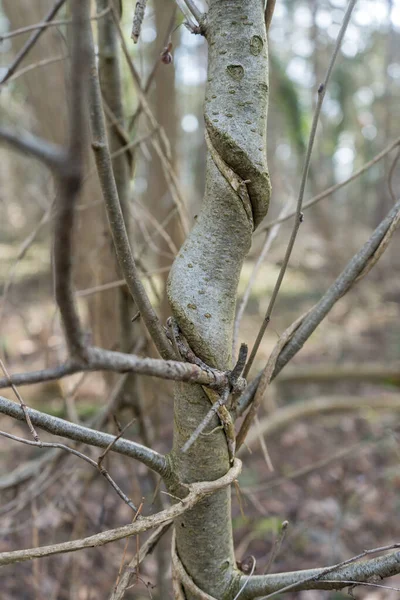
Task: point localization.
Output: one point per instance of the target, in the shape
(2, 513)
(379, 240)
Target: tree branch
(114, 212)
(332, 578)
(52, 155)
(299, 214)
(334, 188)
(316, 407)
(197, 491)
(152, 459)
(70, 181)
(130, 571)
(32, 41)
(99, 359)
(193, 10)
(356, 267)
(57, 446)
(331, 372)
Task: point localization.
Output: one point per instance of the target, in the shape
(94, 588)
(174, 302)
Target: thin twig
(321, 573)
(31, 42)
(196, 492)
(47, 24)
(194, 11)
(270, 237)
(201, 427)
(78, 433)
(160, 145)
(269, 13)
(265, 380)
(114, 212)
(390, 175)
(102, 456)
(23, 249)
(52, 155)
(299, 214)
(21, 402)
(36, 65)
(334, 188)
(70, 181)
(56, 445)
(125, 580)
(153, 72)
(357, 265)
(277, 546)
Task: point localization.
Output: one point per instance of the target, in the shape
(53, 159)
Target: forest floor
(336, 476)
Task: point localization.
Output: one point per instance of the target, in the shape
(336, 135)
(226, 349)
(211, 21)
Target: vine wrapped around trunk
(204, 278)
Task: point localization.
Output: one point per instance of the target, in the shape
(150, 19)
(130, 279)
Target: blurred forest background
(336, 475)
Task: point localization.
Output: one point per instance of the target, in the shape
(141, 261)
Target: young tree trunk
(203, 281)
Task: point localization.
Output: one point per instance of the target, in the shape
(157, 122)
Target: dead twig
(75, 452)
(32, 41)
(138, 17)
(299, 214)
(196, 492)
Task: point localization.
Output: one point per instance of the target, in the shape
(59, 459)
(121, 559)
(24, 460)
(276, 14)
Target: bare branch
(32, 41)
(269, 13)
(331, 578)
(271, 235)
(114, 212)
(160, 145)
(299, 214)
(316, 407)
(391, 173)
(52, 155)
(47, 24)
(329, 372)
(56, 426)
(196, 492)
(341, 286)
(193, 10)
(70, 182)
(58, 446)
(265, 381)
(334, 188)
(277, 546)
(21, 402)
(99, 359)
(129, 573)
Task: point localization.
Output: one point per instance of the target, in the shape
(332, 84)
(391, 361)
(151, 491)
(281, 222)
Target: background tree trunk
(46, 90)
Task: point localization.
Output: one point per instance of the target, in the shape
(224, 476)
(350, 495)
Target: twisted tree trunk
(203, 281)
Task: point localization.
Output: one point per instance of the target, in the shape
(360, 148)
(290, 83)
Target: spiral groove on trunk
(203, 281)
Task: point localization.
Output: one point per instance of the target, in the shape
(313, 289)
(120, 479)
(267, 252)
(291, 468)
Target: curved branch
(152, 459)
(356, 268)
(299, 214)
(114, 211)
(334, 188)
(32, 40)
(197, 491)
(99, 359)
(331, 372)
(331, 578)
(316, 407)
(52, 155)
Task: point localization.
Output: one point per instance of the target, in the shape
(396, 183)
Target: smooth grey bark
(203, 281)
